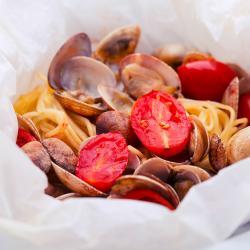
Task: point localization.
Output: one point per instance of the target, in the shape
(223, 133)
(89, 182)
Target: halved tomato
(205, 80)
(102, 160)
(161, 123)
(148, 195)
(24, 137)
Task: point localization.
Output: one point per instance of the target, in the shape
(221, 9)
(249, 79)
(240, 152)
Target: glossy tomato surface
(205, 80)
(148, 195)
(102, 160)
(161, 123)
(24, 137)
(244, 106)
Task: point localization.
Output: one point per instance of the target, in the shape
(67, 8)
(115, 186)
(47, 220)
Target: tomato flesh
(148, 195)
(161, 123)
(244, 106)
(24, 137)
(102, 160)
(205, 80)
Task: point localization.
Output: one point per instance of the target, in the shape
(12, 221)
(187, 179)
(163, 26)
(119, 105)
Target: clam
(28, 125)
(155, 166)
(117, 44)
(172, 54)
(244, 85)
(116, 99)
(78, 45)
(125, 184)
(116, 121)
(193, 56)
(133, 163)
(66, 196)
(56, 190)
(238, 147)
(61, 154)
(78, 106)
(75, 184)
(231, 95)
(240, 72)
(217, 153)
(38, 155)
(199, 140)
(142, 73)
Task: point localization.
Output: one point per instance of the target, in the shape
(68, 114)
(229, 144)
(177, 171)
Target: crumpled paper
(30, 34)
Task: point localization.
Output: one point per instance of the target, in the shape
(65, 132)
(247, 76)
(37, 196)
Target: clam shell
(28, 125)
(85, 74)
(193, 56)
(78, 45)
(155, 166)
(128, 183)
(77, 106)
(68, 195)
(142, 73)
(199, 140)
(117, 44)
(75, 184)
(116, 99)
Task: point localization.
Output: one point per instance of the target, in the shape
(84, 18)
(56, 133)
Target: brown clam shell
(193, 56)
(75, 184)
(78, 106)
(117, 44)
(128, 183)
(78, 45)
(28, 125)
(141, 73)
(116, 99)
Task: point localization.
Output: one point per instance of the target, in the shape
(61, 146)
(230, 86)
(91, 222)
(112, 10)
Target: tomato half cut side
(205, 80)
(102, 160)
(161, 124)
(244, 106)
(150, 196)
(24, 137)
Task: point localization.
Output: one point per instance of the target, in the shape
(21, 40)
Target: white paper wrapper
(30, 33)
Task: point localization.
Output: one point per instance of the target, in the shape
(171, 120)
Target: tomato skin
(150, 196)
(102, 160)
(205, 80)
(161, 124)
(244, 106)
(24, 137)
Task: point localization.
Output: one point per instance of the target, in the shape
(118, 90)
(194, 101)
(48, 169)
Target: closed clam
(116, 99)
(78, 45)
(117, 44)
(126, 184)
(238, 147)
(199, 140)
(142, 73)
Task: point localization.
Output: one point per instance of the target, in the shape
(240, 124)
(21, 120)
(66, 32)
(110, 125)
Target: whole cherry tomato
(244, 106)
(102, 160)
(148, 195)
(205, 80)
(161, 123)
(24, 137)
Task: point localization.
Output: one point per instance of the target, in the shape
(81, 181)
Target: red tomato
(161, 123)
(244, 106)
(102, 160)
(205, 80)
(148, 195)
(24, 137)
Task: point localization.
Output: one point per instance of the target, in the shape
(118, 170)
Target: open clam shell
(199, 140)
(133, 163)
(231, 95)
(155, 166)
(127, 183)
(77, 106)
(29, 126)
(238, 147)
(116, 99)
(75, 184)
(67, 196)
(117, 44)
(142, 73)
(78, 45)
(85, 74)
